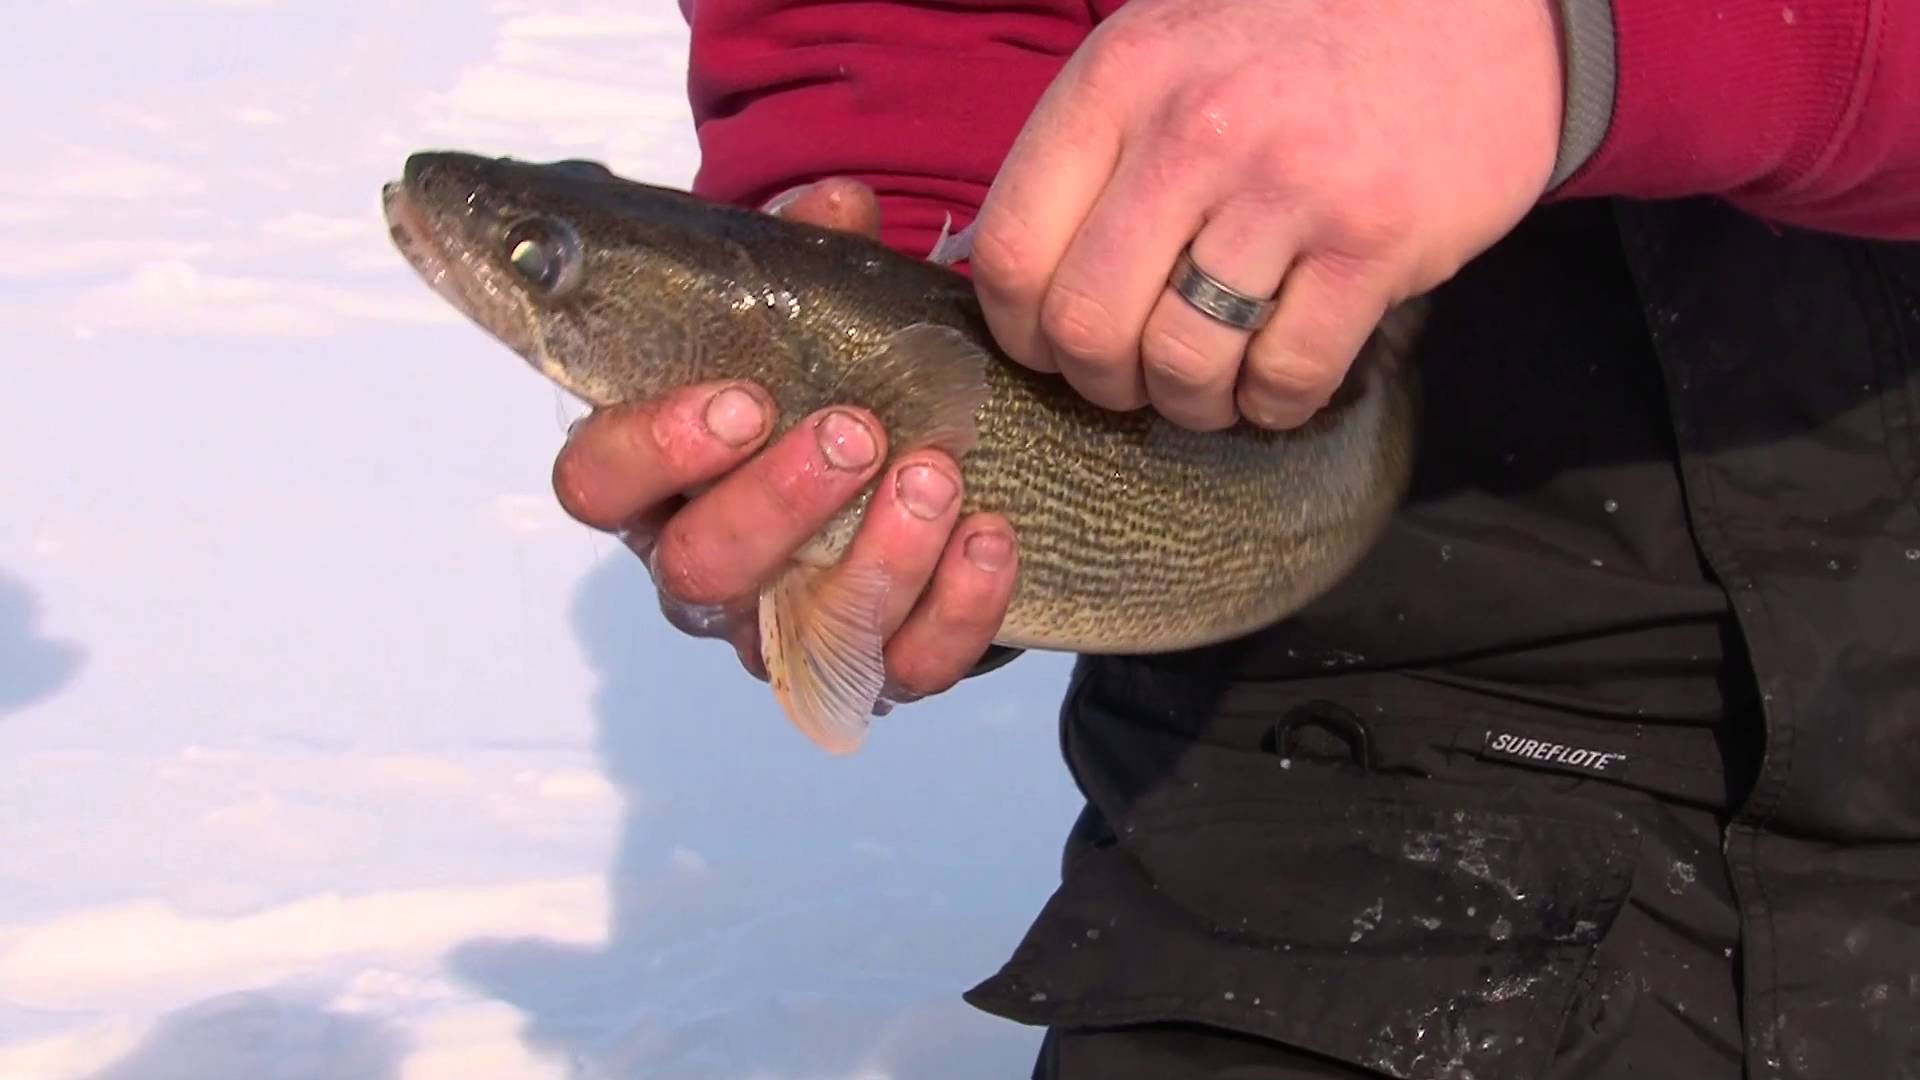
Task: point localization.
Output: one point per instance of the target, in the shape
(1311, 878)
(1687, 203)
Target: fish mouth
(414, 237)
(410, 233)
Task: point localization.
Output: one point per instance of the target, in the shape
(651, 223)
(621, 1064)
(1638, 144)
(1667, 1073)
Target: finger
(954, 623)
(905, 530)
(642, 537)
(834, 203)
(1114, 270)
(745, 637)
(1046, 185)
(623, 460)
(717, 621)
(1189, 361)
(739, 534)
(642, 531)
(1327, 309)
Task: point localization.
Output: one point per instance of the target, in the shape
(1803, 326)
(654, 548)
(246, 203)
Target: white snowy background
(329, 747)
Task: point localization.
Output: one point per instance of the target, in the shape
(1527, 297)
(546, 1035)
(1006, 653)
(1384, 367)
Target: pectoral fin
(952, 247)
(926, 383)
(820, 640)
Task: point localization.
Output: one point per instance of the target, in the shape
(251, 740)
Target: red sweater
(1805, 112)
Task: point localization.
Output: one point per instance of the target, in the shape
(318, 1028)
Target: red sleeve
(921, 100)
(1805, 112)
(1801, 111)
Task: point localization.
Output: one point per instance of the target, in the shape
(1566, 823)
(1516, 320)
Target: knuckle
(1001, 259)
(1174, 172)
(780, 500)
(1280, 171)
(1353, 279)
(1081, 326)
(1375, 214)
(1199, 120)
(1117, 55)
(1179, 363)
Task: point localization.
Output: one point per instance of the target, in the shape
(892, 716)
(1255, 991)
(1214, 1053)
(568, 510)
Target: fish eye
(545, 253)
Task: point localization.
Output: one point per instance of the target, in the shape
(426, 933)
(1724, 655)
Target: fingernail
(845, 441)
(734, 416)
(785, 199)
(925, 491)
(989, 550)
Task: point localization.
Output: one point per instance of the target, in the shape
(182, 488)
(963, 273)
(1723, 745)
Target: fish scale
(1134, 535)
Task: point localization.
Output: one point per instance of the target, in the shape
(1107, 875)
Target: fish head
(613, 289)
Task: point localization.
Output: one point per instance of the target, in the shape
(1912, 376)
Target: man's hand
(1346, 154)
(628, 469)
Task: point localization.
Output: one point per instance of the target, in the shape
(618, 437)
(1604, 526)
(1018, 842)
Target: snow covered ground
(329, 747)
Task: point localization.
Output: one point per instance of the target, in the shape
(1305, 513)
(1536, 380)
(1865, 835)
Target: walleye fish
(1134, 535)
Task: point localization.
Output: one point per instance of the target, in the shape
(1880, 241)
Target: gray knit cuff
(1591, 72)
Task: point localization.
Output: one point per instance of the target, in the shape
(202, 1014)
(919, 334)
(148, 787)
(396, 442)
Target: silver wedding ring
(1215, 300)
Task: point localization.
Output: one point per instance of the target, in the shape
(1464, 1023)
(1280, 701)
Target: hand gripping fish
(1135, 535)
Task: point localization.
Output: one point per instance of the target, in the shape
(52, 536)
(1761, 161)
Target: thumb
(834, 203)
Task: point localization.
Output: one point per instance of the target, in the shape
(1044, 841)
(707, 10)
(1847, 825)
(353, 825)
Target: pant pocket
(1410, 927)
